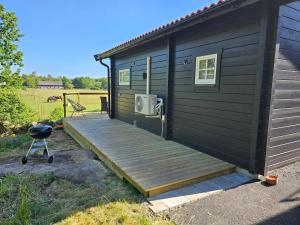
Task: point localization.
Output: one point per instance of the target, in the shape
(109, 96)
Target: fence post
(78, 97)
(65, 105)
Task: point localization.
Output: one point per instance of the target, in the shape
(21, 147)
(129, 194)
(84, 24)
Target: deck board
(150, 163)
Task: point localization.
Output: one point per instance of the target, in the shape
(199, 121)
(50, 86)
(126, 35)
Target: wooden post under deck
(65, 105)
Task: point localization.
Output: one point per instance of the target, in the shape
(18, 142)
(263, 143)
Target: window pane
(211, 63)
(202, 64)
(206, 66)
(210, 74)
(126, 77)
(202, 74)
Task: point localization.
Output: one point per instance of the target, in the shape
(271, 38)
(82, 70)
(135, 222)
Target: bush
(57, 114)
(13, 112)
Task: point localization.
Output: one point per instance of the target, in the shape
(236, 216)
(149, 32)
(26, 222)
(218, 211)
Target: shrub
(57, 113)
(13, 112)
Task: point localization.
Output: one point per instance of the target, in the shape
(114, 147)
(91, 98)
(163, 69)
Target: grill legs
(38, 145)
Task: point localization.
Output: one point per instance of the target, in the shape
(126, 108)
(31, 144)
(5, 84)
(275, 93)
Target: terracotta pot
(272, 180)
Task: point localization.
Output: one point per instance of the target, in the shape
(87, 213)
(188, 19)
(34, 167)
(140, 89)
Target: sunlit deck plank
(150, 163)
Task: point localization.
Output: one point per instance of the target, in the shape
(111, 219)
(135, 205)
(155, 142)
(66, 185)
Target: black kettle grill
(39, 133)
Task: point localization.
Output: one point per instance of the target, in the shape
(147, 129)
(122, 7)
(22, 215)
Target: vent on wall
(145, 104)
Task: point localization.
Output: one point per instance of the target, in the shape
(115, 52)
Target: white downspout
(148, 75)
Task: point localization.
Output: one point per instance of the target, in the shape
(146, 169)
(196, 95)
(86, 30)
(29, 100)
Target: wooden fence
(78, 94)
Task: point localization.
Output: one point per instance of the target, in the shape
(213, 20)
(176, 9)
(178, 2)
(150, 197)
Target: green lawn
(36, 99)
(10, 146)
(45, 199)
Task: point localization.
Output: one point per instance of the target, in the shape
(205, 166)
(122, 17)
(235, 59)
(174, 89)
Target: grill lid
(40, 130)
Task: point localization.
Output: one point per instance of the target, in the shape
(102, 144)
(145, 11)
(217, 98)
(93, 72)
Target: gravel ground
(252, 203)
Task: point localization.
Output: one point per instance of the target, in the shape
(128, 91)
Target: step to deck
(194, 192)
(147, 161)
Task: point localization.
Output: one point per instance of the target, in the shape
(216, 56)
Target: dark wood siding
(283, 144)
(218, 120)
(136, 61)
(268, 69)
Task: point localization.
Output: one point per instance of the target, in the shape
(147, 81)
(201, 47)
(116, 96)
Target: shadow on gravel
(292, 197)
(290, 217)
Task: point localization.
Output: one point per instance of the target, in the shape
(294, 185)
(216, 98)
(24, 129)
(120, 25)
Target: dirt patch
(80, 190)
(253, 203)
(71, 162)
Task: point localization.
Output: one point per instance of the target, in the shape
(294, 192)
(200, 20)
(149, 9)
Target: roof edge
(177, 25)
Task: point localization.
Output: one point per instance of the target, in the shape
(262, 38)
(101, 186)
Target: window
(206, 69)
(124, 77)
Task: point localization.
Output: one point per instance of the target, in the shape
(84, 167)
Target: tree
(13, 111)
(10, 56)
(57, 113)
(83, 82)
(30, 80)
(103, 81)
(67, 83)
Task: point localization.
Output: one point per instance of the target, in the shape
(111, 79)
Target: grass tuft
(22, 215)
(115, 213)
(39, 200)
(9, 145)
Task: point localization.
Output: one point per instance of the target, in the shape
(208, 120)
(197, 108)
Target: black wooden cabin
(230, 78)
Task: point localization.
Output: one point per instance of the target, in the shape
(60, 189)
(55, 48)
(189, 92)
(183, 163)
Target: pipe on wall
(108, 86)
(148, 75)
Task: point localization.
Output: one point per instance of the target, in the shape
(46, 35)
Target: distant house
(50, 84)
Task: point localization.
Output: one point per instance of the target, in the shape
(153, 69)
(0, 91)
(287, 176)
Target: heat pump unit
(145, 104)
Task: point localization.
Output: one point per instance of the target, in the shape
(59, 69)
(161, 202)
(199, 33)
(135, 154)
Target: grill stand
(39, 146)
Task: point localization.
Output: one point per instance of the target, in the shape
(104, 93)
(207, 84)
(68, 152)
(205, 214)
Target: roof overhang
(214, 10)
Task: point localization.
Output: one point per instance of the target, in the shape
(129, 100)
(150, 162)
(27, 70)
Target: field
(36, 99)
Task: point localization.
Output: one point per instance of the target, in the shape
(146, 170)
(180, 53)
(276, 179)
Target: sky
(61, 36)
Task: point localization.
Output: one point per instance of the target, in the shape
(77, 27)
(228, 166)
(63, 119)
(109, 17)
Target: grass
(44, 199)
(36, 99)
(12, 145)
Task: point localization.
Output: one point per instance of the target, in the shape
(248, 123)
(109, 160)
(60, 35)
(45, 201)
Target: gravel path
(249, 204)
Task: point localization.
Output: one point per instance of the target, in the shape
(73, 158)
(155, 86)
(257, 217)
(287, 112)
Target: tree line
(31, 81)
(14, 113)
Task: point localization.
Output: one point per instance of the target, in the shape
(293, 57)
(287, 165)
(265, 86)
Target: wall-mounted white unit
(145, 104)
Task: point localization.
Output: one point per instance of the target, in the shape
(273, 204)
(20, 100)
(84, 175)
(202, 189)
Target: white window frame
(124, 71)
(206, 81)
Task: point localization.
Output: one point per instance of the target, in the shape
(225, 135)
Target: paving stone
(158, 207)
(192, 193)
(176, 199)
(208, 187)
(225, 183)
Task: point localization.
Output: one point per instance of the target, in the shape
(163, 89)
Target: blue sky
(61, 36)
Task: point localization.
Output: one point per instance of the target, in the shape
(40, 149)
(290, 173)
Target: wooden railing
(78, 94)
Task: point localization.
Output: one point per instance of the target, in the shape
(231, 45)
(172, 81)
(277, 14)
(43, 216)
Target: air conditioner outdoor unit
(145, 104)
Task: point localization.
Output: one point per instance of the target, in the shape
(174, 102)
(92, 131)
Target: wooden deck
(150, 163)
